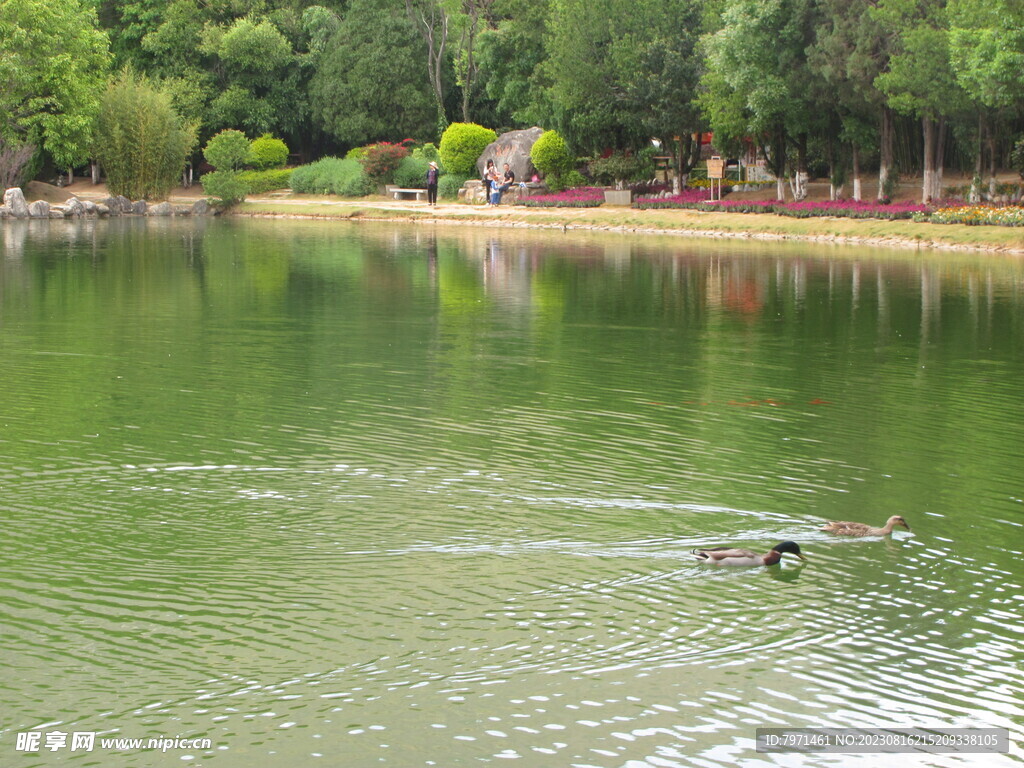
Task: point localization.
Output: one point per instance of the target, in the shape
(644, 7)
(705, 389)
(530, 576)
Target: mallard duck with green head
(747, 557)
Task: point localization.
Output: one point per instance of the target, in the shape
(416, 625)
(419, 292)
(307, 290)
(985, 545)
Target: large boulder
(512, 148)
(200, 207)
(40, 209)
(74, 207)
(161, 209)
(14, 202)
(138, 207)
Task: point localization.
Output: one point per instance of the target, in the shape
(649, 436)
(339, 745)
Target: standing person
(495, 176)
(507, 180)
(487, 180)
(432, 174)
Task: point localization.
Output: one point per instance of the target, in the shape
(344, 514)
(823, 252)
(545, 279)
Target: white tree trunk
(928, 186)
(856, 173)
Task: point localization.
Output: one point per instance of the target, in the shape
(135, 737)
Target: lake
(397, 495)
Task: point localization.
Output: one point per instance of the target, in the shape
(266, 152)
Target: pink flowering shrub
(804, 209)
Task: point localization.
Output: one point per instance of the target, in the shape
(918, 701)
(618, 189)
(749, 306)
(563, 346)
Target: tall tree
(919, 80)
(986, 46)
(759, 81)
(657, 67)
(849, 52)
(370, 84)
(433, 21)
(511, 56)
(56, 61)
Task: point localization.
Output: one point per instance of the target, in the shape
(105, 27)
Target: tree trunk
(991, 164)
(802, 176)
(940, 160)
(779, 163)
(71, 176)
(856, 172)
(830, 154)
(680, 161)
(94, 169)
(885, 144)
(928, 128)
(435, 34)
(974, 196)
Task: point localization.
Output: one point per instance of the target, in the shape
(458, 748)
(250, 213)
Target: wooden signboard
(716, 168)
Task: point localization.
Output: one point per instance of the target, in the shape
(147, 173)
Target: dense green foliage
(370, 84)
(332, 175)
(448, 186)
(227, 151)
(267, 152)
(823, 87)
(140, 140)
(461, 146)
(228, 187)
(55, 64)
(551, 154)
(412, 173)
(265, 181)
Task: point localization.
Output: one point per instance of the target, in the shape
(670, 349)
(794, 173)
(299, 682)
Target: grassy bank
(681, 222)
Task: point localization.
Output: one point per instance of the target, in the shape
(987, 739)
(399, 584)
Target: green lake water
(386, 495)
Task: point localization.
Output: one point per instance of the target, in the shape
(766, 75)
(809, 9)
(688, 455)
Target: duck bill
(801, 557)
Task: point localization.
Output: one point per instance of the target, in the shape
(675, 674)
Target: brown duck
(846, 528)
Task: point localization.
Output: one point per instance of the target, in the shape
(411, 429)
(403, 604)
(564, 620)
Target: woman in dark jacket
(432, 174)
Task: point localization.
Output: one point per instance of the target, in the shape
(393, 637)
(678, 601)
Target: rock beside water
(160, 209)
(40, 209)
(14, 202)
(512, 148)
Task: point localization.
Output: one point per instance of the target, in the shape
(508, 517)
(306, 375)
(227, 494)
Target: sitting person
(506, 182)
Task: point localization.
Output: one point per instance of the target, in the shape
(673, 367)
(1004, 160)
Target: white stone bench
(420, 195)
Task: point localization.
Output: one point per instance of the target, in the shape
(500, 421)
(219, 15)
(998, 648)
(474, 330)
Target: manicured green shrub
(427, 152)
(227, 151)
(265, 181)
(267, 152)
(332, 176)
(461, 146)
(551, 155)
(448, 186)
(140, 139)
(356, 153)
(621, 168)
(412, 173)
(557, 182)
(226, 186)
(381, 160)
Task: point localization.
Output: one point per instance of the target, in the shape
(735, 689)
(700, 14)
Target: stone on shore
(138, 207)
(160, 209)
(91, 209)
(40, 209)
(14, 201)
(512, 148)
(200, 207)
(102, 209)
(74, 207)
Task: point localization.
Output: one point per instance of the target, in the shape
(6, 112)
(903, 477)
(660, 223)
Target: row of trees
(841, 83)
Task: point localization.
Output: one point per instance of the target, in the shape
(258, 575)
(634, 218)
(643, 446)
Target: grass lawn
(698, 223)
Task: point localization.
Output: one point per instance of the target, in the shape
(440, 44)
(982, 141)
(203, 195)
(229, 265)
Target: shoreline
(874, 233)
